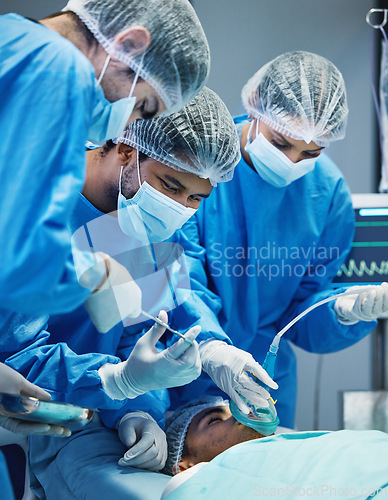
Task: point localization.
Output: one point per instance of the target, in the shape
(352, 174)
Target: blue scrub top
(48, 94)
(269, 253)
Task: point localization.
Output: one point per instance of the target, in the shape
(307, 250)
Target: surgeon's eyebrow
(279, 136)
(181, 186)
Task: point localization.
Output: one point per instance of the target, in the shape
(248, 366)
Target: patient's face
(211, 432)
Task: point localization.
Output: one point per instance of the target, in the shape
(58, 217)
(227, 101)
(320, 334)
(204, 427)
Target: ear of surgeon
(148, 60)
(104, 171)
(152, 200)
(183, 187)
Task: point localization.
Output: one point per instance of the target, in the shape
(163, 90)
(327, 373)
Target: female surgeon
(276, 235)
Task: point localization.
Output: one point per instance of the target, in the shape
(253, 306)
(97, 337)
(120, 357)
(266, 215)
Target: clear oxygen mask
(263, 420)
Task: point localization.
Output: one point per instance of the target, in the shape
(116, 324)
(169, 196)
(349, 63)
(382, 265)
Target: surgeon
(153, 179)
(346, 463)
(78, 75)
(269, 242)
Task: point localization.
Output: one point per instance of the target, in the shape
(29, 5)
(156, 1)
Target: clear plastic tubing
(275, 343)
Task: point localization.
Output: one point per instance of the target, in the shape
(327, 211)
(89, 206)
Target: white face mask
(273, 165)
(110, 118)
(150, 215)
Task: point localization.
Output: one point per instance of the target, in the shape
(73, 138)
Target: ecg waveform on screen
(351, 268)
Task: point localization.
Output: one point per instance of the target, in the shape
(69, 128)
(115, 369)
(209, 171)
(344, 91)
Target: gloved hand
(147, 444)
(147, 369)
(13, 382)
(24, 427)
(117, 297)
(229, 366)
(366, 305)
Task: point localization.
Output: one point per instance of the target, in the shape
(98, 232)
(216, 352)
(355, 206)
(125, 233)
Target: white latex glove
(24, 427)
(147, 444)
(366, 305)
(227, 366)
(117, 297)
(13, 382)
(147, 369)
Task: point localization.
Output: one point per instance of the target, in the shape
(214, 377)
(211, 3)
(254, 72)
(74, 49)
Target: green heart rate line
(351, 268)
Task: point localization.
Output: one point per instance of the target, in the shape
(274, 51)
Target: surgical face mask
(150, 215)
(273, 165)
(110, 118)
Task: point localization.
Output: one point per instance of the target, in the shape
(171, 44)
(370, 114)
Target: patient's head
(201, 430)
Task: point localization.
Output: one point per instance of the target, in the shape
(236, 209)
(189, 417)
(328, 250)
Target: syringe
(165, 325)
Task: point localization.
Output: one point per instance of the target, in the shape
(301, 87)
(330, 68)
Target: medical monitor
(367, 262)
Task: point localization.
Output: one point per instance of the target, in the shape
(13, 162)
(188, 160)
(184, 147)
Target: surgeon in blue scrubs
(160, 169)
(146, 63)
(269, 242)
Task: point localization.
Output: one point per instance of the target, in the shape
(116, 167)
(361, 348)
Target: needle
(162, 323)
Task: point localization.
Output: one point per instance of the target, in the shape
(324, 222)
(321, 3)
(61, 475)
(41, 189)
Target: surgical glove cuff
(207, 349)
(116, 382)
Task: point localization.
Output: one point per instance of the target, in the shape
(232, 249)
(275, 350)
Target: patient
(314, 463)
(201, 430)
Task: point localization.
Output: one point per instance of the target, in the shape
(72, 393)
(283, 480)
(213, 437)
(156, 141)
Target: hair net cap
(177, 61)
(200, 139)
(177, 426)
(301, 95)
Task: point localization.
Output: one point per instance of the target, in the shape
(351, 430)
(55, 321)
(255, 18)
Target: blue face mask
(273, 165)
(110, 118)
(150, 215)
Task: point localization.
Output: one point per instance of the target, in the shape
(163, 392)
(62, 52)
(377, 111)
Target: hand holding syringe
(165, 325)
(147, 368)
